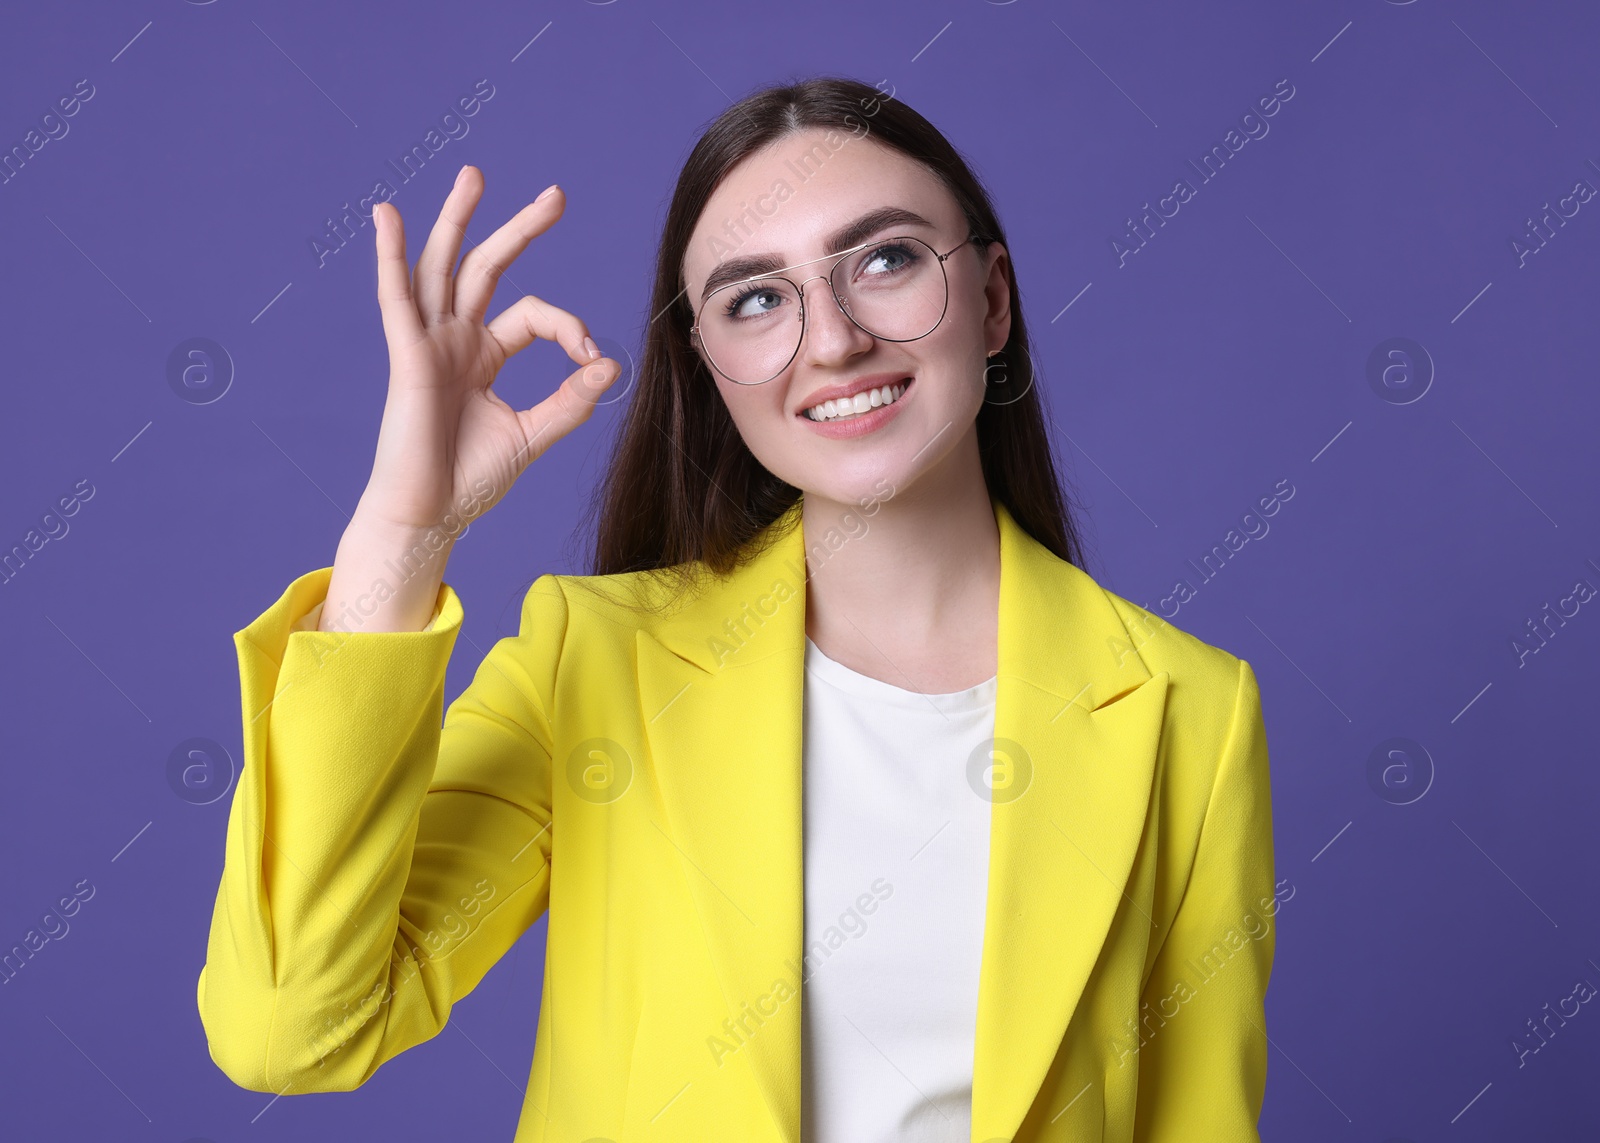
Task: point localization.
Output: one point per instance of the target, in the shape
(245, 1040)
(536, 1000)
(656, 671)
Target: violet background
(1227, 355)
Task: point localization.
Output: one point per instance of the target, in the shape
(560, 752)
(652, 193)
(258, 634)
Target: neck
(906, 588)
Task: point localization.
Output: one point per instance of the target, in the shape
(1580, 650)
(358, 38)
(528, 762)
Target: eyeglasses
(895, 289)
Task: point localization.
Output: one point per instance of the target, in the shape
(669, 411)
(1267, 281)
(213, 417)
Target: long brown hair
(681, 485)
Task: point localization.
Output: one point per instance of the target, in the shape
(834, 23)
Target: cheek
(954, 356)
(756, 410)
(960, 332)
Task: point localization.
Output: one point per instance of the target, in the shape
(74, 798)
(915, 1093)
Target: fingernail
(461, 174)
(546, 193)
(591, 347)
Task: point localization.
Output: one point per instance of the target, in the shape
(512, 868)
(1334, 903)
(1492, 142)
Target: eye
(771, 299)
(888, 259)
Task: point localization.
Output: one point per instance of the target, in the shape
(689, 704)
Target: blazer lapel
(1077, 725)
(1078, 719)
(721, 687)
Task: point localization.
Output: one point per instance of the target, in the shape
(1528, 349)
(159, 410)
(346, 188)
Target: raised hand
(449, 448)
(448, 443)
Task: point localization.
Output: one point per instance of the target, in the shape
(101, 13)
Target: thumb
(568, 407)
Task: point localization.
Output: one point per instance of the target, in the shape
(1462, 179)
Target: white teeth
(847, 407)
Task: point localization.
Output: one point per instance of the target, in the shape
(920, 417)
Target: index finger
(481, 269)
(401, 322)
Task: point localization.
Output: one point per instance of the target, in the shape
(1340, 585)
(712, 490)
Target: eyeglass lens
(895, 290)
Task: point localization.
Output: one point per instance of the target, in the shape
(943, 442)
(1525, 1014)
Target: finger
(434, 283)
(564, 410)
(401, 322)
(529, 318)
(481, 268)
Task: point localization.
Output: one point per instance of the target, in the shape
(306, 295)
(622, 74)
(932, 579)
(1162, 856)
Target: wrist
(373, 527)
(417, 550)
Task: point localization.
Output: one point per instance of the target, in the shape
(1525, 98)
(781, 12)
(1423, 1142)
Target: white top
(896, 878)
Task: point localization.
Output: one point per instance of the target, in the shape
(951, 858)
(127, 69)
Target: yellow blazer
(639, 775)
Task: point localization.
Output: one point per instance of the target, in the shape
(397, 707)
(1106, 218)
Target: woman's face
(790, 204)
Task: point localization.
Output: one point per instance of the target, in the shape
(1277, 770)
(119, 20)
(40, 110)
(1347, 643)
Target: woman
(1027, 899)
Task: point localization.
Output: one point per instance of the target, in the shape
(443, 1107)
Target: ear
(693, 339)
(997, 293)
(699, 352)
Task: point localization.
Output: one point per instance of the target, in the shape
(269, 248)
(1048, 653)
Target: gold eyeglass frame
(799, 289)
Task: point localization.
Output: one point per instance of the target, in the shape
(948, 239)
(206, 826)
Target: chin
(866, 491)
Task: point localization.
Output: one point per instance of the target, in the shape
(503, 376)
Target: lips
(850, 408)
(851, 388)
(859, 425)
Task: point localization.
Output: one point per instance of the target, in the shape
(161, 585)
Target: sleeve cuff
(317, 582)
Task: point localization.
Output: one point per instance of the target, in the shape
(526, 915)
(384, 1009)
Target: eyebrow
(850, 234)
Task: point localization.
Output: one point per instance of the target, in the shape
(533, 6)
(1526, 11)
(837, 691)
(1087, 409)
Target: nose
(827, 334)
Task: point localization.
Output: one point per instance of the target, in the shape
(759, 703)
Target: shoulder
(1209, 689)
(597, 605)
(1164, 646)
(1214, 765)
(575, 627)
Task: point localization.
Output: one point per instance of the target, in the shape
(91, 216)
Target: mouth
(865, 404)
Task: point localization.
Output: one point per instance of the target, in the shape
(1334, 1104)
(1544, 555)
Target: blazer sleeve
(1203, 1059)
(376, 864)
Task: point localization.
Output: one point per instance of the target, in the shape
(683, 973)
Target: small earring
(992, 352)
